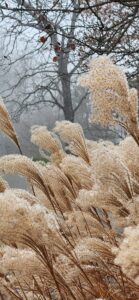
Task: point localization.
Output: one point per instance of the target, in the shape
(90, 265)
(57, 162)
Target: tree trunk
(67, 99)
(66, 90)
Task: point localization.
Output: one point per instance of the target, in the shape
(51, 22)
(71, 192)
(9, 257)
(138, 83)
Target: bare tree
(53, 40)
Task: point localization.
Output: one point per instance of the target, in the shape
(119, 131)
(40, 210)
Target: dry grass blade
(14, 294)
(72, 134)
(45, 140)
(22, 165)
(6, 125)
(3, 185)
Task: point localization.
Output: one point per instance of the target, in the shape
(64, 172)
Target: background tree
(53, 40)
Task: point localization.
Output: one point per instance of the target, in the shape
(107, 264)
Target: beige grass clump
(3, 185)
(45, 140)
(99, 199)
(62, 192)
(127, 256)
(18, 217)
(112, 100)
(57, 241)
(78, 171)
(92, 249)
(6, 125)
(23, 166)
(72, 134)
(82, 224)
(109, 172)
(20, 193)
(128, 151)
(20, 260)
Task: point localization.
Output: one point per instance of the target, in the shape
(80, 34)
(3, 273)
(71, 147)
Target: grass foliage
(75, 234)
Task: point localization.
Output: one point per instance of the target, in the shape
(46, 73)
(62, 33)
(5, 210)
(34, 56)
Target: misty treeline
(45, 45)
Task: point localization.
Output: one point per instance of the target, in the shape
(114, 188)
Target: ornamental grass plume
(128, 151)
(23, 166)
(73, 135)
(45, 140)
(6, 125)
(112, 100)
(3, 185)
(128, 253)
(22, 217)
(78, 171)
(14, 260)
(76, 236)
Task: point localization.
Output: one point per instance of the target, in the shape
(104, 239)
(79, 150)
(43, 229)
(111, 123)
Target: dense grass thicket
(75, 234)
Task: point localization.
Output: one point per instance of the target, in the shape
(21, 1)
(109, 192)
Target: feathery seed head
(45, 140)
(72, 134)
(112, 100)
